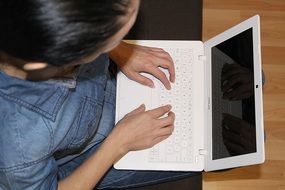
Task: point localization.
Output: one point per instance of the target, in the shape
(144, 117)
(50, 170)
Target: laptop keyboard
(178, 147)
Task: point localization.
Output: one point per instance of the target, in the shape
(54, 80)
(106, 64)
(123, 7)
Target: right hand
(135, 59)
(142, 129)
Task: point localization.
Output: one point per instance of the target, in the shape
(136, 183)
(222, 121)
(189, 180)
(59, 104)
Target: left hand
(134, 60)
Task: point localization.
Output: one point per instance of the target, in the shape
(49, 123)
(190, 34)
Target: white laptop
(216, 98)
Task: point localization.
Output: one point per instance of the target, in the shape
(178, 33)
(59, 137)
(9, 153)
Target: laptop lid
(234, 129)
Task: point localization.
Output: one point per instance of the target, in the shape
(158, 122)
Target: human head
(59, 32)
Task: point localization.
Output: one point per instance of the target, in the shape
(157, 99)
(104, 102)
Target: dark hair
(58, 31)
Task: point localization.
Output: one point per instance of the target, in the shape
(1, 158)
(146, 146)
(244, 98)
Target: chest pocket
(86, 123)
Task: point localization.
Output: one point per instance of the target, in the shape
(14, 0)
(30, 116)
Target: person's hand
(142, 129)
(237, 82)
(238, 135)
(133, 60)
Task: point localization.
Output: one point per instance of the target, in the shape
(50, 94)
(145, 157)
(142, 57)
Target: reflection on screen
(233, 115)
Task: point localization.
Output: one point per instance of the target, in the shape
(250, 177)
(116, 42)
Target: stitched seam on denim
(25, 104)
(24, 165)
(35, 108)
(112, 104)
(148, 182)
(50, 134)
(21, 151)
(30, 106)
(78, 121)
(93, 100)
(109, 102)
(58, 106)
(18, 138)
(54, 149)
(86, 100)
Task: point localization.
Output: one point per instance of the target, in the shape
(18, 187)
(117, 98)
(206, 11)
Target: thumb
(140, 109)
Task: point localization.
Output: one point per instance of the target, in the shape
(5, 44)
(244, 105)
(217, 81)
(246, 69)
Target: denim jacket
(46, 124)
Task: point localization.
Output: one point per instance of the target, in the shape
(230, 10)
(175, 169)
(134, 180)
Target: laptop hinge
(202, 152)
(202, 57)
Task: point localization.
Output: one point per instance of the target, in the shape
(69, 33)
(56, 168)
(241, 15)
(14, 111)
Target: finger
(160, 75)
(143, 80)
(165, 60)
(140, 109)
(165, 131)
(160, 111)
(169, 65)
(169, 120)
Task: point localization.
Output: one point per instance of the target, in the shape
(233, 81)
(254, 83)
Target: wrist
(119, 54)
(115, 143)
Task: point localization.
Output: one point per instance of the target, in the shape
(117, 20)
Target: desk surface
(168, 20)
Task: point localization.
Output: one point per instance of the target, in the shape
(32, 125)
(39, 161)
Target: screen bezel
(259, 155)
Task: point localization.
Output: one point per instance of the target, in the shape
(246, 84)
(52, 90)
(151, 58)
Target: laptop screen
(233, 103)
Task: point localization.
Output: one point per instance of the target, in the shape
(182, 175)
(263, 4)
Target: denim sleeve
(40, 176)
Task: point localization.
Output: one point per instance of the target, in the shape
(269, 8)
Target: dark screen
(233, 104)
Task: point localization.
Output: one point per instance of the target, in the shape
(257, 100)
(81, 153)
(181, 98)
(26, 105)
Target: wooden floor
(220, 15)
